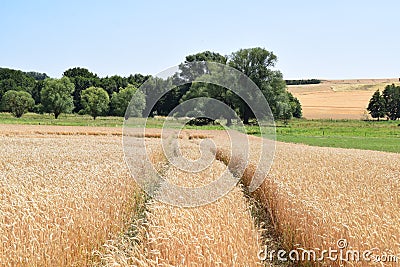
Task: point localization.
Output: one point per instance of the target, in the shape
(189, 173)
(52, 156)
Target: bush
(17, 102)
(201, 121)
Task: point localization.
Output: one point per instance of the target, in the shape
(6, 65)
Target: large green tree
(129, 96)
(56, 96)
(95, 101)
(295, 106)
(193, 67)
(157, 98)
(17, 102)
(205, 86)
(377, 106)
(391, 94)
(257, 64)
(82, 78)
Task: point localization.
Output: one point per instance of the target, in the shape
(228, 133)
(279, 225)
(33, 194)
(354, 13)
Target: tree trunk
(246, 117)
(229, 121)
(56, 114)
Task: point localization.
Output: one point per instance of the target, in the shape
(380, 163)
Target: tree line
(302, 82)
(385, 104)
(83, 92)
(78, 91)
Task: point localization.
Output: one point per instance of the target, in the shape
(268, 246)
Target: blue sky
(312, 39)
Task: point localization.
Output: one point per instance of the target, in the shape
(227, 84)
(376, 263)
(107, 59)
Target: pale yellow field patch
(338, 99)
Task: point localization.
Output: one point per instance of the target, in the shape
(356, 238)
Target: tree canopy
(391, 95)
(95, 101)
(79, 72)
(56, 96)
(376, 106)
(255, 63)
(129, 96)
(17, 102)
(15, 80)
(386, 104)
(37, 75)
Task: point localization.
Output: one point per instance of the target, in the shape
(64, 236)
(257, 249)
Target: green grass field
(371, 135)
(63, 119)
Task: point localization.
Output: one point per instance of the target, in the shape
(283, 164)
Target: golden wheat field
(338, 99)
(61, 196)
(317, 196)
(67, 199)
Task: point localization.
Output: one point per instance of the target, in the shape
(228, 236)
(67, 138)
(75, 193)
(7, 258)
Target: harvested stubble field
(68, 200)
(338, 99)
